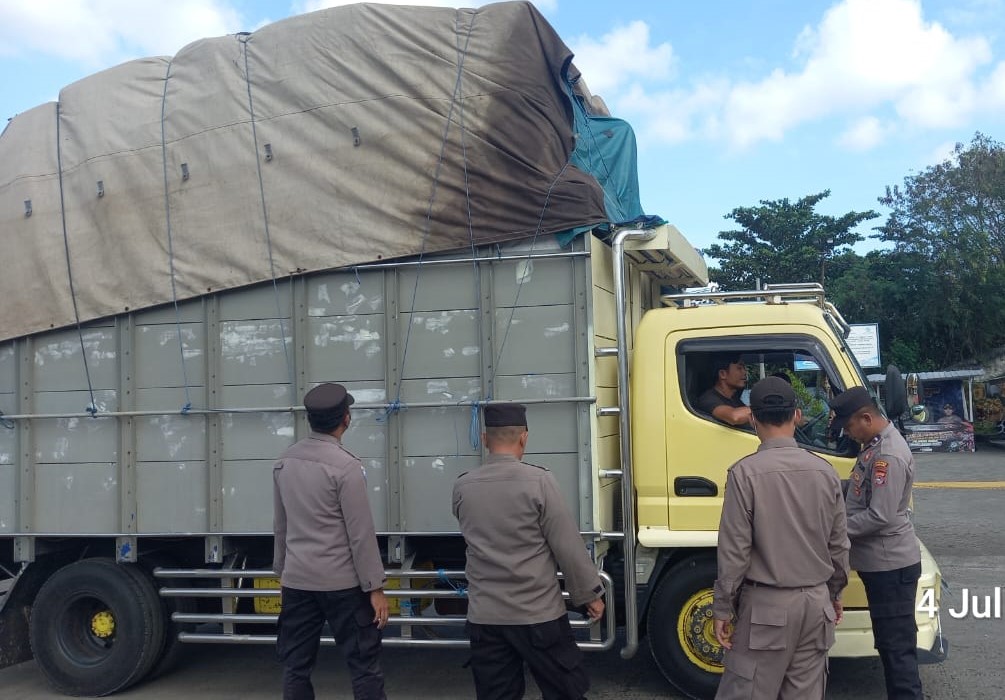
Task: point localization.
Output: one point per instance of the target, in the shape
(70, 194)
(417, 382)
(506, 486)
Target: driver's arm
(733, 416)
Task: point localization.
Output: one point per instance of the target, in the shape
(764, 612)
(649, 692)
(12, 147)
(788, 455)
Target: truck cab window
(807, 368)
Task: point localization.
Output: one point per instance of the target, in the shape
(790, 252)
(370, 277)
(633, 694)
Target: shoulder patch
(879, 469)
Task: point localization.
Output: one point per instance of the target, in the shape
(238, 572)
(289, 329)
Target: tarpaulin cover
(344, 136)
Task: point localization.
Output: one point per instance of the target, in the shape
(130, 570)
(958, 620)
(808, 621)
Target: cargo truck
(180, 287)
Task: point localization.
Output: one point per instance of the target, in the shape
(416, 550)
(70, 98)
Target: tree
(782, 241)
(951, 217)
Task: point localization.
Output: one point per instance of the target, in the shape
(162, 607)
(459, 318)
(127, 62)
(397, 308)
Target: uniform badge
(879, 472)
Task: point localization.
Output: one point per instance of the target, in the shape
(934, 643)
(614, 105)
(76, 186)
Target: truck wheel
(681, 634)
(96, 627)
(172, 648)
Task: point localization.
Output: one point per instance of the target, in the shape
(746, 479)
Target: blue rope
(392, 408)
(475, 427)
(265, 212)
(461, 590)
(93, 407)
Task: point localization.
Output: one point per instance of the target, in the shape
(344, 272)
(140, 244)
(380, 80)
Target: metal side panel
(8, 493)
(443, 288)
(349, 347)
(251, 351)
(172, 436)
(8, 371)
(172, 496)
(159, 355)
(345, 294)
(77, 497)
(247, 494)
(427, 484)
(535, 340)
(439, 344)
(59, 364)
(533, 283)
(8, 440)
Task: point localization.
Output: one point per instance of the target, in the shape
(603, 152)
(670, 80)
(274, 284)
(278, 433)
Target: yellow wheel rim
(696, 632)
(103, 624)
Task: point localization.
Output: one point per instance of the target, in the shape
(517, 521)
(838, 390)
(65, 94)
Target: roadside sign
(864, 343)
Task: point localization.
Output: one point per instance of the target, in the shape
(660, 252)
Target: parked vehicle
(141, 422)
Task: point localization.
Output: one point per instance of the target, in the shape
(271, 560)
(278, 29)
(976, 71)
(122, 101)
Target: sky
(733, 102)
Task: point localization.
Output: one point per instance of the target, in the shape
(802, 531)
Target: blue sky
(733, 102)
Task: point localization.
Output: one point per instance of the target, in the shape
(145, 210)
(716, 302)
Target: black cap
(847, 403)
(500, 415)
(772, 394)
(327, 397)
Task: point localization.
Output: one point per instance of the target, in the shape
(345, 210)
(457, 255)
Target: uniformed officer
(326, 553)
(884, 548)
(518, 532)
(783, 560)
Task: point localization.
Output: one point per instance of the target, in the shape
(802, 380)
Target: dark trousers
(350, 616)
(498, 653)
(891, 597)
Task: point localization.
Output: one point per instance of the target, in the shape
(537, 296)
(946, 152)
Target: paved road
(962, 527)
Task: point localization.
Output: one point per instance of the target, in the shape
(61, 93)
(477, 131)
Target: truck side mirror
(895, 392)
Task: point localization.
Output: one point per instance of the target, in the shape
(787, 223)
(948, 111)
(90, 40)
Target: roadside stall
(941, 414)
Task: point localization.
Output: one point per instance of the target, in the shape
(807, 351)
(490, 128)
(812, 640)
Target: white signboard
(864, 343)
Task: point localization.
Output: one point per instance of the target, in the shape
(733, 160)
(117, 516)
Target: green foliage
(938, 293)
(782, 241)
(950, 218)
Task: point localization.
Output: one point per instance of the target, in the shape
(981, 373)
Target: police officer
(783, 560)
(884, 548)
(326, 553)
(518, 532)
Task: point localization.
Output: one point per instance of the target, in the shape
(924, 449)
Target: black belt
(758, 584)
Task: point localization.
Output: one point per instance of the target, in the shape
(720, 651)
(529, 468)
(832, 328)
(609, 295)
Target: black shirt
(712, 399)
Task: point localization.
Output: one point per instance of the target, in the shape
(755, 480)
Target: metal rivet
(27, 208)
(184, 171)
(268, 151)
(101, 188)
(355, 136)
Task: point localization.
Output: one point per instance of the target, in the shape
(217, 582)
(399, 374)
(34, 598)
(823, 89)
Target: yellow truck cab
(680, 458)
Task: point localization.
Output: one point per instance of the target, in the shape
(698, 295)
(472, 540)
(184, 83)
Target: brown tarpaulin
(392, 131)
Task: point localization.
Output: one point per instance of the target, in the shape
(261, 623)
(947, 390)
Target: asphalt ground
(959, 514)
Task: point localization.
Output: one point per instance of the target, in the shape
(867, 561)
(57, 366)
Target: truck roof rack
(798, 293)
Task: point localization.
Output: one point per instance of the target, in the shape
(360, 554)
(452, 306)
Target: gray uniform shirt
(879, 495)
(783, 524)
(324, 534)
(518, 532)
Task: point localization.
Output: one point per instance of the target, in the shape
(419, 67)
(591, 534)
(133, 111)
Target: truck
(427, 206)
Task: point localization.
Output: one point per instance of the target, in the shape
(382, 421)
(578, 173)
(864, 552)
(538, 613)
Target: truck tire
(681, 635)
(172, 648)
(96, 627)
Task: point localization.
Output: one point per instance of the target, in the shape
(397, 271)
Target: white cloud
(311, 5)
(864, 54)
(621, 56)
(862, 59)
(864, 134)
(99, 32)
(941, 153)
